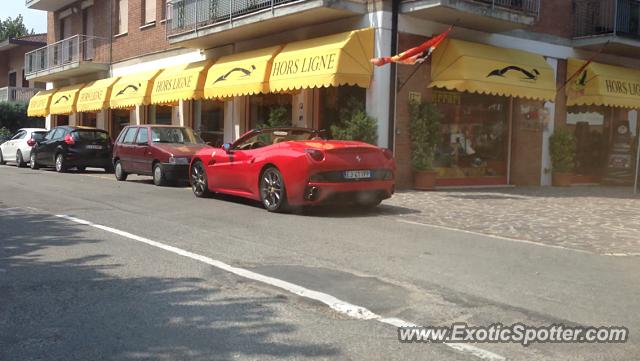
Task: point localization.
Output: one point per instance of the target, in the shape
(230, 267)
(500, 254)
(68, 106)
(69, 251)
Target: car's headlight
(178, 160)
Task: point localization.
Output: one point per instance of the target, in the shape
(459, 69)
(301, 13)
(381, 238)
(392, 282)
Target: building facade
(496, 125)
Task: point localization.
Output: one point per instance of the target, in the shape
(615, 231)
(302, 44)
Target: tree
(13, 28)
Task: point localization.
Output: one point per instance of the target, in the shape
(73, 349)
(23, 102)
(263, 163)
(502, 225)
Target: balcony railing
(189, 15)
(526, 7)
(606, 17)
(67, 52)
(186, 16)
(15, 94)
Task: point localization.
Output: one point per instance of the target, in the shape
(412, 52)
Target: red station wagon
(161, 151)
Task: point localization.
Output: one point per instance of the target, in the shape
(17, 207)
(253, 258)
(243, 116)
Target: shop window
(270, 108)
(335, 99)
(120, 118)
(62, 120)
(89, 119)
(474, 135)
(163, 114)
(212, 124)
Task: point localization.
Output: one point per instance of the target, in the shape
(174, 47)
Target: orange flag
(414, 55)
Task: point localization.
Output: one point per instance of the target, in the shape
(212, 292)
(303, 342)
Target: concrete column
(137, 115)
(302, 108)
(48, 121)
(182, 114)
(378, 92)
(101, 119)
(229, 124)
(547, 131)
(234, 118)
(197, 115)
(74, 119)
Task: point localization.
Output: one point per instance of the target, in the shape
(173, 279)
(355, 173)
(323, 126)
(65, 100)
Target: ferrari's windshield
(174, 135)
(266, 137)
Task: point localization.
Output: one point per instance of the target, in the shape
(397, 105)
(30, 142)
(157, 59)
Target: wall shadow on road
(59, 304)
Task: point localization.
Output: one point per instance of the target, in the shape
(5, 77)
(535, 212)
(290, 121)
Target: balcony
(15, 94)
(75, 56)
(485, 15)
(616, 22)
(48, 5)
(208, 23)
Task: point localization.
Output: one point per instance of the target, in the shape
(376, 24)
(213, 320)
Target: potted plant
(355, 124)
(562, 146)
(425, 137)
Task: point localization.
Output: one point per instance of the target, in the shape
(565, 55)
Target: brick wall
(136, 42)
(526, 144)
(140, 41)
(416, 83)
(556, 18)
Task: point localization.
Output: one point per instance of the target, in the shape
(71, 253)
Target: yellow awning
(39, 103)
(182, 82)
(240, 74)
(132, 90)
(95, 96)
(64, 100)
(340, 59)
(602, 84)
(478, 68)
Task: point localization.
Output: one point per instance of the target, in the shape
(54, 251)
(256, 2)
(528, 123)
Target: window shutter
(123, 8)
(149, 11)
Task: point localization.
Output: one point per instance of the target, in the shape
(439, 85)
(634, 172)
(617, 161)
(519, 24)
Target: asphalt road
(71, 291)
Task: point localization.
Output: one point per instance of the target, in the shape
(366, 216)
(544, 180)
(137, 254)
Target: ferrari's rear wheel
(2, 162)
(199, 182)
(272, 191)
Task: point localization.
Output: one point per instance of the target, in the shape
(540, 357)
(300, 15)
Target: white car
(18, 148)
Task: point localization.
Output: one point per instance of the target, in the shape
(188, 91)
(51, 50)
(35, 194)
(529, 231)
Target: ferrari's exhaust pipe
(311, 193)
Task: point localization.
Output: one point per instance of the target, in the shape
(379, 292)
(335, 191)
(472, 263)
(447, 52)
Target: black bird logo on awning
(582, 81)
(129, 87)
(62, 98)
(245, 72)
(528, 75)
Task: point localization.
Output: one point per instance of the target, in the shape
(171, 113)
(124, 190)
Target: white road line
(346, 308)
(498, 237)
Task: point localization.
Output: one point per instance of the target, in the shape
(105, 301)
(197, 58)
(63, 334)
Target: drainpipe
(395, 10)
(636, 185)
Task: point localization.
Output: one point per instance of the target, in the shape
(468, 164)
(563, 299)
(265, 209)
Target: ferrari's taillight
(315, 154)
(31, 142)
(388, 153)
(69, 140)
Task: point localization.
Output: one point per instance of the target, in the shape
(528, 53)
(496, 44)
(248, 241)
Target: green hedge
(13, 116)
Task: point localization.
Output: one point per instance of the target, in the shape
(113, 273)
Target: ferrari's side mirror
(226, 147)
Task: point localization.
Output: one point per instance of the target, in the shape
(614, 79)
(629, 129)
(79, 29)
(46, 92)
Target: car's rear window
(38, 136)
(90, 135)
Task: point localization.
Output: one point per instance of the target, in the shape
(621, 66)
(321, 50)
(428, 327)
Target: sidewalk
(603, 220)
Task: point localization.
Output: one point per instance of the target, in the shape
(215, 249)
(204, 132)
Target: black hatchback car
(77, 147)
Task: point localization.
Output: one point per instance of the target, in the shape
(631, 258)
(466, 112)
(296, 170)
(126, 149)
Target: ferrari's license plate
(357, 174)
(93, 146)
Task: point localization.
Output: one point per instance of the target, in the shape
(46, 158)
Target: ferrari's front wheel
(272, 191)
(199, 182)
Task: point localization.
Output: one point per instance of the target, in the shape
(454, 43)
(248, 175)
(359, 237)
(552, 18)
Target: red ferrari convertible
(294, 167)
